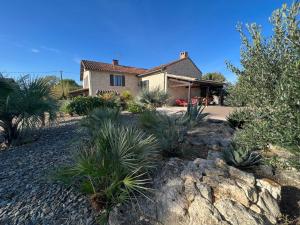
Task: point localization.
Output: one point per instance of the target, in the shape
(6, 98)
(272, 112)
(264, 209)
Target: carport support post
(189, 95)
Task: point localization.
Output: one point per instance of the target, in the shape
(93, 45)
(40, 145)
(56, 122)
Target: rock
(241, 175)
(203, 212)
(273, 188)
(205, 192)
(269, 206)
(237, 214)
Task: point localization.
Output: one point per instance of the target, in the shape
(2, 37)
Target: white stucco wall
(156, 80)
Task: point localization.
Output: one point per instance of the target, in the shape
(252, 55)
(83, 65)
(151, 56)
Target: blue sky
(43, 37)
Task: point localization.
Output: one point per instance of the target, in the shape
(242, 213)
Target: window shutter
(111, 80)
(123, 80)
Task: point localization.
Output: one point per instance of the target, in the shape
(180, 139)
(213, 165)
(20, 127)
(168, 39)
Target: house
(181, 79)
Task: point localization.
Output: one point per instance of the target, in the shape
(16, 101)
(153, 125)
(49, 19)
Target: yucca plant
(241, 158)
(114, 166)
(192, 116)
(153, 98)
(23, 105)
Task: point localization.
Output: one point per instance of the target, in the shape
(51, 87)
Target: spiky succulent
(241, 158)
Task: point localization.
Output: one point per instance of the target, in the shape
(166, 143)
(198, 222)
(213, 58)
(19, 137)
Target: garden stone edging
(204, 191)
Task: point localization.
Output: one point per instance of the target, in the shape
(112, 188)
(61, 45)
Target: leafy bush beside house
(268, 81)
(135, 107)
(84, 105)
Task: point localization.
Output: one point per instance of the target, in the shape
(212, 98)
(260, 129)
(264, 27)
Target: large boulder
(203, 192)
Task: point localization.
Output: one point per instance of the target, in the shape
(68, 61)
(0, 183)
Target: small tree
(269, 80)
(215, 76)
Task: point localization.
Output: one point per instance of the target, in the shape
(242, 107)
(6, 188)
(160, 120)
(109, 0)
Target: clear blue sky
(51, 35)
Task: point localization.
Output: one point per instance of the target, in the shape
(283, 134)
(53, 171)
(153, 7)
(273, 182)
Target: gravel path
(27, 195)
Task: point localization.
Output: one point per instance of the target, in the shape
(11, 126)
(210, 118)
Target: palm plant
(168, 129)
(114, 166)
(23, 105)
(153, 98)
(95, 119)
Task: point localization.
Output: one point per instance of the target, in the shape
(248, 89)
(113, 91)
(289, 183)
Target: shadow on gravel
(290, 201)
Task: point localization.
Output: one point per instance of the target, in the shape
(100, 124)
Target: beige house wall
(101, 81)
(184, 68)
(156, 80)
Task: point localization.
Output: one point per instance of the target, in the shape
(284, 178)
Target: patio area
(213, 112)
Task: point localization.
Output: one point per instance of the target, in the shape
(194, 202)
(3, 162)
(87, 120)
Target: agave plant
(24, 103)
(114, 166)
(241, 158)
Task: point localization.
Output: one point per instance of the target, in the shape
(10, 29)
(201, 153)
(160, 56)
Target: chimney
(115, 62)
(183, 55)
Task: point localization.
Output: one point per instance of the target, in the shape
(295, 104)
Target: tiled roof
(99, 66)
(162, 66)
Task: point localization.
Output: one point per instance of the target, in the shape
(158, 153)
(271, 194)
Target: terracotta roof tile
(99, 66)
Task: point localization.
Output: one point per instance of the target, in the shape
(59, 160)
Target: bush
(238, 118)
(268, 81)
(83, 105)
(110, 99)
(192, 116)
(153, 98)
(63, 104)
(135, 107)
(167, 129)
(241, 158)
(114, 167)
(97, 117)
(125, 98)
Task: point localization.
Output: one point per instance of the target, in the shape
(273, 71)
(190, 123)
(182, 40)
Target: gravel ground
(28, 195)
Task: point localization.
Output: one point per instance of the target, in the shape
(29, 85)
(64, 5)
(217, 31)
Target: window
(117, 80)
(144, 84)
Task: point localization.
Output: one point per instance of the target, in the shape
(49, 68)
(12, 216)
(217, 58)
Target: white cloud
(50, 49)
(34, 50)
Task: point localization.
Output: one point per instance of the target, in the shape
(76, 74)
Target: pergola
(189, 83)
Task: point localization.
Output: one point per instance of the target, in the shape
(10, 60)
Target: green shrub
(83, 105)
(241, 158)
(192, 116)
(63, 104)
(239, 117)
(268, 80)
(167, 129)
(135, 107)
(114, 167)
(153, 98)
(94, 120)
(110, 99)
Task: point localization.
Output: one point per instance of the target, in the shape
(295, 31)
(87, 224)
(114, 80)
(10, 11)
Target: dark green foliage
(241, 158)
(169, 130)
(135, 107)
(193, 115)
(239, 117)
(24, 103)
(268, 82)
(84, 105)
(153, 98)
(113, 166)
(97, 117)
(215, 76)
